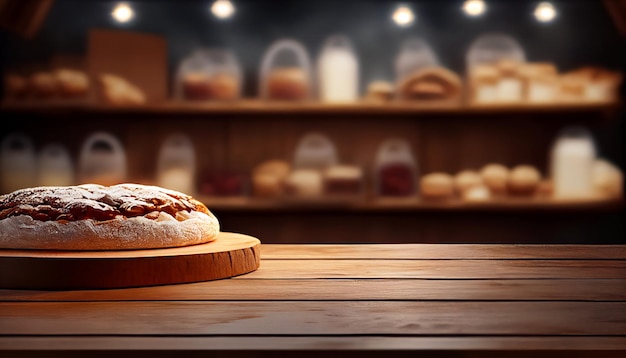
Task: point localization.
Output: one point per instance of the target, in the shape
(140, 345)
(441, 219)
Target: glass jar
(55, 166)
(102, 160)
(209, 74)
(286, 72)
(395, 169)
(176, 168)
(18, 163)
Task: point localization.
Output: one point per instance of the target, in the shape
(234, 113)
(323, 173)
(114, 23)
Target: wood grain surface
(518, 300)
(229, 255)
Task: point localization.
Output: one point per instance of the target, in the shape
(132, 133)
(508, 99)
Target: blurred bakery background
(355, 121)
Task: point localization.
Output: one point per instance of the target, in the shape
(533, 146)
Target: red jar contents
(225, 184)
(396, 180)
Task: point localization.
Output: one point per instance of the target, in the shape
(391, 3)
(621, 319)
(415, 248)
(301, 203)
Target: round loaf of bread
(95, 217)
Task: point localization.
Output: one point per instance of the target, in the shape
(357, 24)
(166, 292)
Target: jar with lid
(395, 169)
(102, 160)
(286, 72)
(18, 163)
(176, 168)
(209, 74)
(55, 167)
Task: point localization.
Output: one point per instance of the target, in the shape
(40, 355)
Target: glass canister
(209, 74)
(572, 158)
(176, 168)
(415, 54)
(18, 163)
(338, 71)
(315, 151)
(494, 69)
(102, 160)
(286, 72)
(395, 169)
(55, 166)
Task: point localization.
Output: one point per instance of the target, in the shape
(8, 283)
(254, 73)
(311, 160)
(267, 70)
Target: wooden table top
(350, 297)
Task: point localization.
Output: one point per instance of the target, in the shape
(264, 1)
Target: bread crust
(158, 229)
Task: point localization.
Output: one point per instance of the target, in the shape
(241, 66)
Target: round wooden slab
(229, 255)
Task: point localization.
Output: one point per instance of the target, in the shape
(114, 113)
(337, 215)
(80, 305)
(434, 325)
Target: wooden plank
(256, 107)
(313, 318)
(439, 269)
(341, 289)
(449, 251)
(486, 343)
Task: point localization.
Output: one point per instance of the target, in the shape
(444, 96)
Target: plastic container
(573, 155)
(395, 169)
(415, 54)
(176, 168)
(55, 166)
(102, 160)
(18, 163)
(209, 74)
(338, 71)
(286, 72)
(493, 64)
(315, 151)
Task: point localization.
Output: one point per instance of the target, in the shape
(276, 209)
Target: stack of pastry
(590, 84)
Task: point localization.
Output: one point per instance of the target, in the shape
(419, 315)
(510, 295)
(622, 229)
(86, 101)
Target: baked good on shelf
(305, 183)
(72, 83)
(379, 91)
(541, 82)
(510, 86)
(431, 83)
(545, 189)
(42, 85)
(484, 83)
(95, 217)
(466, 180)
(116, 90)
(495, 177)
(524, 180)
(288, 83)
(219, 86)
(477, 193)
(15, 86)
(437, 186)
(607, 179)
(343, 180)
(268, 178)
(593, 84)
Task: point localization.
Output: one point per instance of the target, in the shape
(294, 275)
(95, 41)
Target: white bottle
(338, 71)
(573, 155)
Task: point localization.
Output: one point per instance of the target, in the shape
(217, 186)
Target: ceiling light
(474, 7)
(403, 16)
(545, 12)
(123, 13)
(223, 9)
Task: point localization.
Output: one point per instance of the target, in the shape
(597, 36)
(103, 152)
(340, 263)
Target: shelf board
(257, 107)
(249, 204)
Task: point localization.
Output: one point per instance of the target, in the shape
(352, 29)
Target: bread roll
(437, 186)
(432, 83)
(477, 193)
(268, 178)
(305, 183)
(116, 90)
(495, 177)
(15, 86)
(465, 180)
(379, 91)
(72, 83)
(524, 180)
(290, 83)
(607, 179)
(545, 189)
(43, 85)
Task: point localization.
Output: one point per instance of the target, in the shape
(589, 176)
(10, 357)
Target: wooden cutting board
(229, 255)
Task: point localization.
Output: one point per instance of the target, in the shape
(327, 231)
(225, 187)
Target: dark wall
(582, 34)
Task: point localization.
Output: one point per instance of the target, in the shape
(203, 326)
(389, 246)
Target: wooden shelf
(256, 107)
(246, 204)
